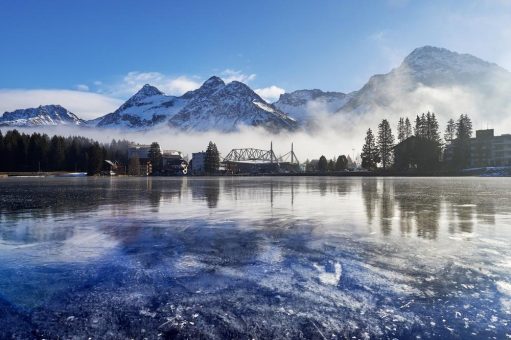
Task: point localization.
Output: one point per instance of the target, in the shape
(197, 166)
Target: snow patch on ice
(327, 276)
(504, 287)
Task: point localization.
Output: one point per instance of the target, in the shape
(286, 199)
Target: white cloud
(171, 85)
(82, 87)
(133, 81)
(182, 84)
(229, 75)
(85, 105)
(271, 93)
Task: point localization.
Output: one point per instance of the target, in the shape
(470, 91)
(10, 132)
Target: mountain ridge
(43, 115)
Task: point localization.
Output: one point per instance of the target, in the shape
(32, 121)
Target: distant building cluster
(172, 161)
(141, 162)
(487, 150)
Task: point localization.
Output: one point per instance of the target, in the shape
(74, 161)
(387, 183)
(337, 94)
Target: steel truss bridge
(251, 155)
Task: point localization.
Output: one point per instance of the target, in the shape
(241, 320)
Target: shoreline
(333, 174)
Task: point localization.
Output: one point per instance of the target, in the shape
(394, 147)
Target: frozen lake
(282, 257)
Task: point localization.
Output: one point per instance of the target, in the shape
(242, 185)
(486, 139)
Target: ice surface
(254, 257)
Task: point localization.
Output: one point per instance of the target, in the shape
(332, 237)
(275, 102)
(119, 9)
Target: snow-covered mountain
(47, 115)
(146, 108)
(213, 106)
(429, 78)
(226, 107)
(432, 78)
(304, 104)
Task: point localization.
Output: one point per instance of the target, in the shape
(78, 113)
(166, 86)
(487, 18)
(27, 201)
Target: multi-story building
(173, 162)
(198, 163)
(486, 149)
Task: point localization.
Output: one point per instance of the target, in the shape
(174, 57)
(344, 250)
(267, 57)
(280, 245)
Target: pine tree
(331, 165)
(433, 129)
(370, 154)
(155, 157)
(450, 131)
(10, 142)
(464, 128)
(461, 152)
(20, 154)
(385, 143)
(95, 159)
(212, 159)
(417, 130)
(408, 128)
(57, 154)
(341, 163)
(322, 164)
(421, 127)
(401, 130)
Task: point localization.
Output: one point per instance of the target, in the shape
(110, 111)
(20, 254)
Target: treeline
(39, 152)
(341, 163)
(423, 149)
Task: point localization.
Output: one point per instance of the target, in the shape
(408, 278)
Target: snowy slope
(213, 106)
(145, 109)
(48, 115)
(432, 78)
(227, 107)
(304, 104)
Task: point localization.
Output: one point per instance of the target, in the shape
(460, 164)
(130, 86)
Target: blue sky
(103, 50)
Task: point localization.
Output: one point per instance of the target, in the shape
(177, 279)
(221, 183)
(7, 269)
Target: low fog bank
(306, 145)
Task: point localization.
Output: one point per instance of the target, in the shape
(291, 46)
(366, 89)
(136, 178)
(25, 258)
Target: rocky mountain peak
(436, 61)
(213, 82)
(210, 86)
(146, 91)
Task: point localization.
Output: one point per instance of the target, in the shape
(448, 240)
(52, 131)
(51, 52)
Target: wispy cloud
(390, 53)
(271, 93)
(172, 85)
(229, 75)
(133, 81)
(82, 87)
(86, 105)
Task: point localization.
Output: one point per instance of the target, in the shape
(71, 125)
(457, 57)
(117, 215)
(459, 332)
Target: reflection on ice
(260, 257)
